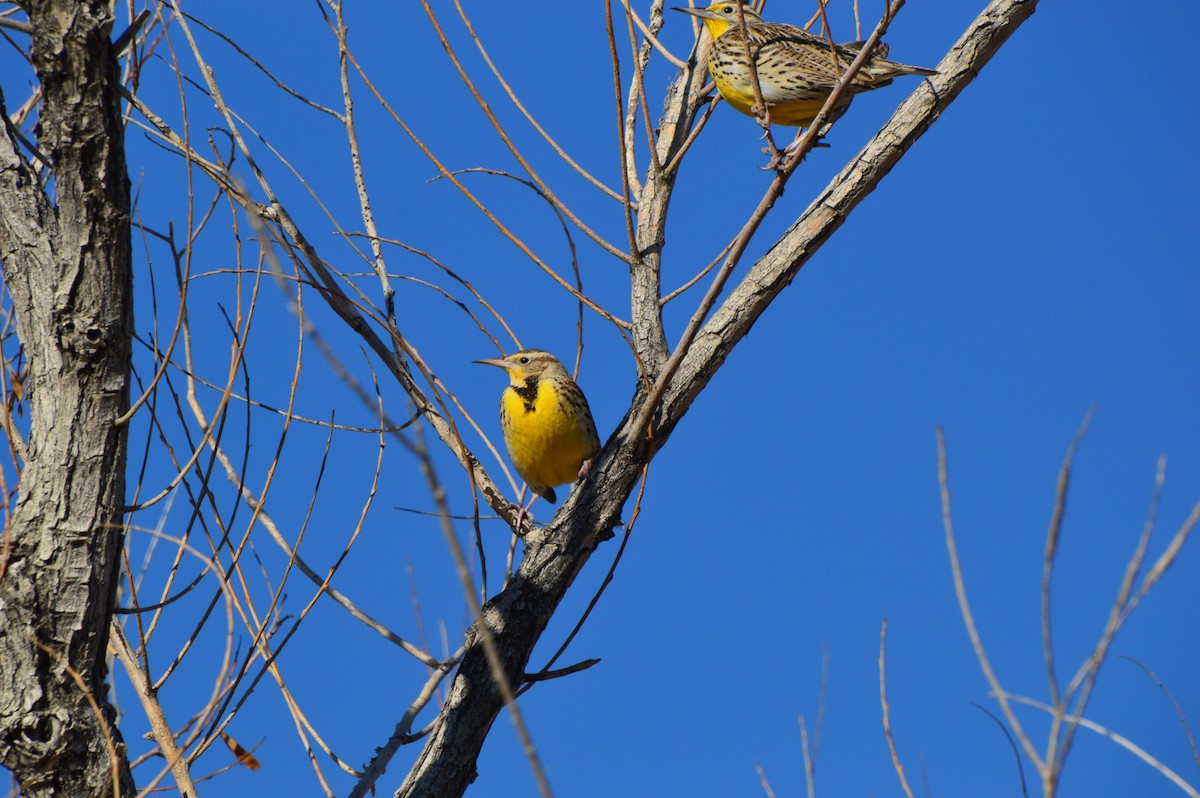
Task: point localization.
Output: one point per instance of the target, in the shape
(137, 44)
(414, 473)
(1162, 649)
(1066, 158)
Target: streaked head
(527, 363)
(719, 17)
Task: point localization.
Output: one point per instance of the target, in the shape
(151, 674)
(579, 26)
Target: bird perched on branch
(797, 70)
(548, 428)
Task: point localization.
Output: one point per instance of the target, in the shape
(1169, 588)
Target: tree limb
(517, 616)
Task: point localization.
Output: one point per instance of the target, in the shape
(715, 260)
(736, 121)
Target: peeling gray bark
(67, 267)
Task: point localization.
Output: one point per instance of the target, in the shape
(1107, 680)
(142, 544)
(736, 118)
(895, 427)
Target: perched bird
(797, 70)
(548, 428)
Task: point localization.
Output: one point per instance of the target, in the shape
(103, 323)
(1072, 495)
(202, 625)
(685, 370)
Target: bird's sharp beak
(703, 13)
(498, 362)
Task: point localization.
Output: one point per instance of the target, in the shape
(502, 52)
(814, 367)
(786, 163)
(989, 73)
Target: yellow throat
(547, 425)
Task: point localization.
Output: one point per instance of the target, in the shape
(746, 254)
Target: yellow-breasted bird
(797, 70)
(548, 428)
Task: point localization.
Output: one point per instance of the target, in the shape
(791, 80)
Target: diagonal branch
(742, 240)
(554, 556)
(775, 270)
(508, 142)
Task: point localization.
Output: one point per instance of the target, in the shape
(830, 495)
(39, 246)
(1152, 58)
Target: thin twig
(762, 780)
(1052, 537)
(678, 63)
(402, 734)
(558, 673)
(887, 724)
(964, 607)
(1011, 744)
(512, 96)
(625, 123)
(650, 406)
(1124, 742)
(1183, 721)
(154, 712)
(508, 142)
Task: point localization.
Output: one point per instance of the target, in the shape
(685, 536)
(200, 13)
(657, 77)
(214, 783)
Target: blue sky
(1032, 257)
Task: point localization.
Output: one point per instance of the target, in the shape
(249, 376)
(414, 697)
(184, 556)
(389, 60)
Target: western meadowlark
(548, 428)
(797, 70)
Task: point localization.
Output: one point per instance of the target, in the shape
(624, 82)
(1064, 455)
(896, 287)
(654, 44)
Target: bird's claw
(585, 468)
(778, 160)
(524, 514)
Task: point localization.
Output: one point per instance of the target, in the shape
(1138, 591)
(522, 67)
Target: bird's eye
(727, 10)
(524, 361)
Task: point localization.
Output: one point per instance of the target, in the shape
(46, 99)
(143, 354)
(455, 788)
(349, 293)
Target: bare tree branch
(554, 556)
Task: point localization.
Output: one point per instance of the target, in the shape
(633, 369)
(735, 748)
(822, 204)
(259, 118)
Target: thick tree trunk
(67, 268)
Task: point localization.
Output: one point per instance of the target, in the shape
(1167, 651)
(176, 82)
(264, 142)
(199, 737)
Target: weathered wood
(517, 617)
(67, 267)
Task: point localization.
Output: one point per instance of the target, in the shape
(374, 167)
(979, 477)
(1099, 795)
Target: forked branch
(517, 616)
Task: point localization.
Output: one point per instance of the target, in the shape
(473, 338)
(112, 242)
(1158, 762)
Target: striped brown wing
(797, 66)
(574, 394)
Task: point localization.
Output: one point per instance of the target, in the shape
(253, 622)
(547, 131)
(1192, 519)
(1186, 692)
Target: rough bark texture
(67, 267)
(517, 617)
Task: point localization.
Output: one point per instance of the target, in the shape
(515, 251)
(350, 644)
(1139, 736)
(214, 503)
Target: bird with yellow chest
(547, 424)
(796, 70)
